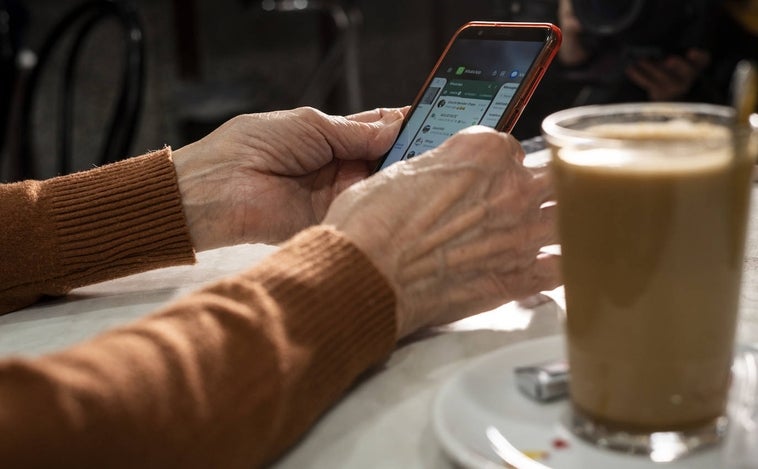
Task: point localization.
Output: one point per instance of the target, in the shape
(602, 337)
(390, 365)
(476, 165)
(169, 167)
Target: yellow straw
(745, 91)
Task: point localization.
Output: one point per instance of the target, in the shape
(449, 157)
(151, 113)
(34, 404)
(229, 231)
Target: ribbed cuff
(119, 219)
(346, 307)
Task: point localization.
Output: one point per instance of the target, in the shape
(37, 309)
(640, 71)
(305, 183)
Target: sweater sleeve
(88, 227)
(229, 376)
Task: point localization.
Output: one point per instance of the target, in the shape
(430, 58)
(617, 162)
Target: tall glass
(652, 211)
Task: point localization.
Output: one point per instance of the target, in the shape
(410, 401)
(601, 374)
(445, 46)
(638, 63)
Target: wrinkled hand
(263, 177)
(671, 78)
(457, 230)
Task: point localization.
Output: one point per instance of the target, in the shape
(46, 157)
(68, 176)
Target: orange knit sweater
(230, 376)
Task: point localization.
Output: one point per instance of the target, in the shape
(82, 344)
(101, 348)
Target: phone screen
(474, 83)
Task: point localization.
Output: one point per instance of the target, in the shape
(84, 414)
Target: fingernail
(392, 116)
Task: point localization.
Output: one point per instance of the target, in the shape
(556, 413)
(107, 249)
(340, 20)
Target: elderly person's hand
(669, 79)
(263, 177)
(457, 230)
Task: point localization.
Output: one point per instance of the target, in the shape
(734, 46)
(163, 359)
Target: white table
(382, 423)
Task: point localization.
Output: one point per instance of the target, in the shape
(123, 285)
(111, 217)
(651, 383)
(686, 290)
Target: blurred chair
(119, 132)
(14, 18)
(333, 84)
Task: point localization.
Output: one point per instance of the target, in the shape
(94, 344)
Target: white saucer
(482, 399)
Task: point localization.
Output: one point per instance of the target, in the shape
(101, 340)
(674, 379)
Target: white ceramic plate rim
(499, 366)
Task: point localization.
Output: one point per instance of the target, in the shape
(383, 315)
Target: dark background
(230, 56)
(208, 60)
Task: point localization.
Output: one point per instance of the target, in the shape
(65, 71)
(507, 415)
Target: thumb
(367, 135)
(377, 114)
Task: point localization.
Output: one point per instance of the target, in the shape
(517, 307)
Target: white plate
(483, 397)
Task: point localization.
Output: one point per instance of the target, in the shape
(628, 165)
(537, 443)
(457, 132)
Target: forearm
(227, 377)
(88, 227)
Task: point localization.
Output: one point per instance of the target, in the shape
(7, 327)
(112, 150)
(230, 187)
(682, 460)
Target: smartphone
(486, 75)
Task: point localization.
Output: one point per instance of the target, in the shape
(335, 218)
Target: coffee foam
(676, 129)
(685, 147)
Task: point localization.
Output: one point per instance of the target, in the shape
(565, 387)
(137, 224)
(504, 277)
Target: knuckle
(483, 141)
(309, 114)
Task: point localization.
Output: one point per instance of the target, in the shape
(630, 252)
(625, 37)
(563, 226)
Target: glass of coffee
(652, 203)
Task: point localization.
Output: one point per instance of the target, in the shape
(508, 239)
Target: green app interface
(474, 85)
